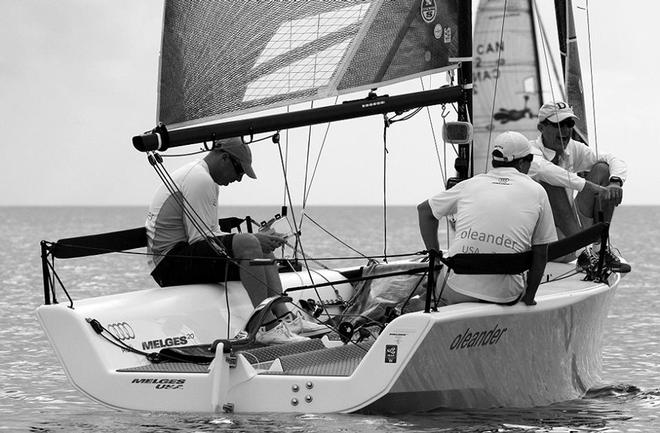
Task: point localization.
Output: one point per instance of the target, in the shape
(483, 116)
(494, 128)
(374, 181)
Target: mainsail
(213, 67)
(507, 91)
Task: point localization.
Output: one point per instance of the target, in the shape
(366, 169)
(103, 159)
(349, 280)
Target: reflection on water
(36, 396)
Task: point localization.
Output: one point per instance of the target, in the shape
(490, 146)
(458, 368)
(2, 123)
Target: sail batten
(213, 67)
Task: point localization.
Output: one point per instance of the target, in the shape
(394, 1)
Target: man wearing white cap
(502, 211)
(557, 160)
(191, 250)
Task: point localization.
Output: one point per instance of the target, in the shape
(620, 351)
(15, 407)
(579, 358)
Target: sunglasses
(566, 123)
(238, 168)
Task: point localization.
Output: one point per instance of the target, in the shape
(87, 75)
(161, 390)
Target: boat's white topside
(465, 355)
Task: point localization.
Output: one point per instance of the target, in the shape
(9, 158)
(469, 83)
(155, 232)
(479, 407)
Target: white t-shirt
(502, 211)
(168, 225)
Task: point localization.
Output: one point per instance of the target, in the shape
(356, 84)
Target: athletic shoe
(614, 263)
(280, 334)
(300, 326)
(587, 261)
(242, 335)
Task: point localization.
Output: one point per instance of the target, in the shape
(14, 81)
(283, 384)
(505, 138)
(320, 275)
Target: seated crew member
(179, 253)
(502, 211)
(557, 160)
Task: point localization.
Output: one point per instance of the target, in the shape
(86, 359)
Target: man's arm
(542, 170)
(428, 226)
(539, 259)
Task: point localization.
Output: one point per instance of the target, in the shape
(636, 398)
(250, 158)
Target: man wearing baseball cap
(558, 158)
(502, 211)
(188, 246)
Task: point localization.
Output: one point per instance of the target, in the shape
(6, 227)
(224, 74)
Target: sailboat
(172, 349)
(510, 80)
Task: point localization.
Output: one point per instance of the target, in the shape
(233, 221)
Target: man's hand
(528, 300)
(614, 193)
(269, 243)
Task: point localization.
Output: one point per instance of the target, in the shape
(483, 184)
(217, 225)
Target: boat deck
(309, 358)
(313, 358)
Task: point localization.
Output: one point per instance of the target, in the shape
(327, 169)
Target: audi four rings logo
(121, 330)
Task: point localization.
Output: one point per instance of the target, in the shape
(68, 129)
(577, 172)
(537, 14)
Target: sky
(78, 80)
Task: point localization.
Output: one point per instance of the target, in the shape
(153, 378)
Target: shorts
(196, 263)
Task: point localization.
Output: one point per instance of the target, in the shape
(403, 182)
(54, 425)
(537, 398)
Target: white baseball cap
(510, 145)
(556, 112)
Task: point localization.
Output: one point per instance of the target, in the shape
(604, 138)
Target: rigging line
(336, 238)
(385, 126)
(285, 169)
(176, 155)
(309, 127)
(297, 231)
(435, 139)
(546, 46)
(307, 153)
(311, 259)
(318, 158)
(591, 78)
(52, 268)
(497, 79)
(442, 162)
(416, 253)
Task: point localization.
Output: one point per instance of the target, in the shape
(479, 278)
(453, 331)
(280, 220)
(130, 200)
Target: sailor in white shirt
(557, 161)
(188, 247)
(502, 211)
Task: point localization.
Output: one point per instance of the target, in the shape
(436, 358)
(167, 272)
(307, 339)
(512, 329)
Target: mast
(464, 160)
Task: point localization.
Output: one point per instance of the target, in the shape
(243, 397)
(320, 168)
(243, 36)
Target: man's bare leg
(565, 220)
(591, 205)
(260, 281)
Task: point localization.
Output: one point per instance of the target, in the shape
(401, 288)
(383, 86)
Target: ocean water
(35, 395)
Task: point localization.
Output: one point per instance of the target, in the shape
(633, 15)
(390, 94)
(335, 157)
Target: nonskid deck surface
(302, 358)
(332, 361)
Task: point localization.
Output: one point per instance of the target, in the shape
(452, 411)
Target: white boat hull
(471, 355)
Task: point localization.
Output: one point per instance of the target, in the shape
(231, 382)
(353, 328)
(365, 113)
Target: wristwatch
(616, 179)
